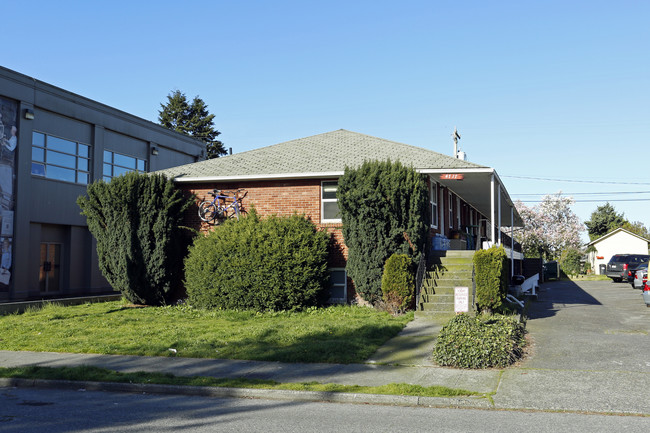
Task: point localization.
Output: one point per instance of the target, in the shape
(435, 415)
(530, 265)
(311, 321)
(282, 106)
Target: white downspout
(512, 241)
(499, 214)
(492, 210)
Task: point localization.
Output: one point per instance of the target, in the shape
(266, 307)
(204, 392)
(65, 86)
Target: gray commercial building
(53, 144)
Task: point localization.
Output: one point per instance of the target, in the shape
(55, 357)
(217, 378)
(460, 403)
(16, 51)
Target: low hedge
(270, 264)
(480, 342)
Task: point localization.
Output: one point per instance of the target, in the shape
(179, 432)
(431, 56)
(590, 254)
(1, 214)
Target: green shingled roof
(330, 152)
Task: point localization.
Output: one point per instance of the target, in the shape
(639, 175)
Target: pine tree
(193, 120)
(603, 220)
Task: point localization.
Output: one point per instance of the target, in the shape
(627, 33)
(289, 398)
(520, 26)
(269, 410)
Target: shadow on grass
(552, 293)
(350, 346)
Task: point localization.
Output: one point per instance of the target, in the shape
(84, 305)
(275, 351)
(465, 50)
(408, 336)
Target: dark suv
(620, 264)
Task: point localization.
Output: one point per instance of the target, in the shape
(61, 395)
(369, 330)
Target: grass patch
(337, 334)
(95, 374)
(589, 278)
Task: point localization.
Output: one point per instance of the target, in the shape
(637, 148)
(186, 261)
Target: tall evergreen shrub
(490, 268)
(270, 264)
(398, 283)
(383, 207)
(136, 220)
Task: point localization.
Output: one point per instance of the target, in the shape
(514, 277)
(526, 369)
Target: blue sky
(537, 89)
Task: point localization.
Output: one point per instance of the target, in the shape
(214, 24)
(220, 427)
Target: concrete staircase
(446, 270)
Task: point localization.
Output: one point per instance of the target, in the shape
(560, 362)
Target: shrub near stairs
(398, 283)
(490, 276)
(480, 342)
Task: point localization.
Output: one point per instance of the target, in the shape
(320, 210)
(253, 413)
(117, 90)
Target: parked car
(620, 265)
(646, 294)
(640, 277)
(631, 275)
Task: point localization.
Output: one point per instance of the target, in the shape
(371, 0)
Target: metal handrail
(419, 275)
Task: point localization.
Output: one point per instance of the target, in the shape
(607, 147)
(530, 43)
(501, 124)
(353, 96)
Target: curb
(268, 394)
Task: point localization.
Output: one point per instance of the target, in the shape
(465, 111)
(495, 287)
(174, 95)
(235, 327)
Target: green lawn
(95, 374)
(338, 334)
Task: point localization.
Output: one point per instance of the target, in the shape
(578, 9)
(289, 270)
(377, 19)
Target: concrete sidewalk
(562, 375)
(512, 388)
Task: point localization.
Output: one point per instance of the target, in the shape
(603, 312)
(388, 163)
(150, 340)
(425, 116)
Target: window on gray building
(60, 159)
(116, 164)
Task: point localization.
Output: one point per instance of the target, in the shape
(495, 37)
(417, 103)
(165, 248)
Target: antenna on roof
(455, 136)
(459, 154)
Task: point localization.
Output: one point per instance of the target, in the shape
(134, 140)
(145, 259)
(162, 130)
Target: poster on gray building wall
(8, 144)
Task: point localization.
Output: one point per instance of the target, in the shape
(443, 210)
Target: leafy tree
(549, 228)
(191, 119)
(638, 228)
(136, 220)
(383, 208)
(570, 261)
(603, 220)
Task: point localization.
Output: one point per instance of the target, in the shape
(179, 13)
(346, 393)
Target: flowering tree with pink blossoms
(549, 227)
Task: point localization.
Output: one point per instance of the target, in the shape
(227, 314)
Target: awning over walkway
(481, 188)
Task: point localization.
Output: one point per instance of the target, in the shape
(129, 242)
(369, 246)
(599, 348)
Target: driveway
(590, 325)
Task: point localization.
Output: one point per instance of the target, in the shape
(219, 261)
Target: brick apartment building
(301, 176)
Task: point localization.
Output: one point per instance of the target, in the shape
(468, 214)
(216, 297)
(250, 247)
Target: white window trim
(433, 204)
(327, 200)
(344, 299)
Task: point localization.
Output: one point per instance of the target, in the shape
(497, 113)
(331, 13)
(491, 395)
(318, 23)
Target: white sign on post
(461, 299)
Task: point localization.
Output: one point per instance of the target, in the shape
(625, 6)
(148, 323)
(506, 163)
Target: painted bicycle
(222, 206)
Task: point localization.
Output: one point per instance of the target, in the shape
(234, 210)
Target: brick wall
(276, 197)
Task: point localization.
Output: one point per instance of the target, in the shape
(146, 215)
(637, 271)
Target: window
(60, 159)
(329, 203)
(434, 205)
(338, 286)
(116, 164)
(458, 214)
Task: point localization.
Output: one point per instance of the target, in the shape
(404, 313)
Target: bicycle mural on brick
(224, 205)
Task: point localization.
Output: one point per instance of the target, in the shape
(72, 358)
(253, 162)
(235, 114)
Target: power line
(588, 193)
(577, 181)
(593, 201)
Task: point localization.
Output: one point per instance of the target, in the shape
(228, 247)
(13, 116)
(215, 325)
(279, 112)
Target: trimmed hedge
(136, 219)
(490, 268)
(473, 342)
(271, 264)
(398, 282)
(384, 209)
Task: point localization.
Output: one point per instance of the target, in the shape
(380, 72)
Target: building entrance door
(49, 277)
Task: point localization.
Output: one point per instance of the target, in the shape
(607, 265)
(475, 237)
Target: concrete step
(443, 317)
(438, 306)
(437, 297)
(452, 253)
(452, 267)
(440, 290)
(452, 261)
